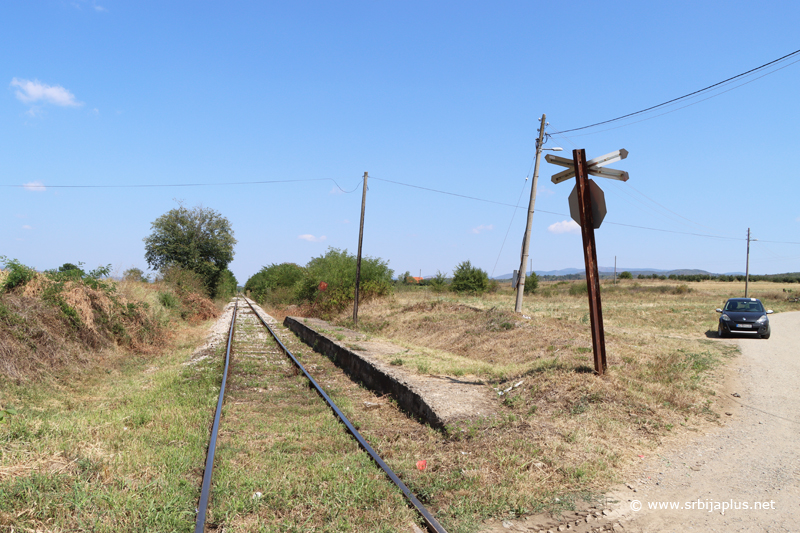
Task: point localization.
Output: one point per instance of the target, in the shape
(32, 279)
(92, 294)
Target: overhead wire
(693, 93)
(629, 186)
(514, 213)
(562, 214)
(37, 185)
(687, 105)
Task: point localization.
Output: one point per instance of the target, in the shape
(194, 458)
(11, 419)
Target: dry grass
(47, 325)
(564, 431)
(126, 436)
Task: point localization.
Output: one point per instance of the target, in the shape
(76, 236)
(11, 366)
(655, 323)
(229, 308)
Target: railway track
(254, 350)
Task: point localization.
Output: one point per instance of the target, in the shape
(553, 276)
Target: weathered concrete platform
(438, 401)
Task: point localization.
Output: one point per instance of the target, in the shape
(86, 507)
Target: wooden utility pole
(360, 240)
(590, 256)
(747, 267)
(527, 238)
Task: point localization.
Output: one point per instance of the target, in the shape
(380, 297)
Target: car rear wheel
(721, 331)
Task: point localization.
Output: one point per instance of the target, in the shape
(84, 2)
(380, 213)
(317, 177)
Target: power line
(509, 226)
(765, 65)
(687, 105)
(447, 193)
(37, 185)
(563, 214)
(628, 186)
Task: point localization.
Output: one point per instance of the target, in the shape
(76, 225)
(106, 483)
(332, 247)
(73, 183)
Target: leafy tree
(199, 239)
(67, 267)
(405, 278)
(625, 275)
(470, 279)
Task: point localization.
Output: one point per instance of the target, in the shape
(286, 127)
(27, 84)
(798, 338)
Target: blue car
(744, 315)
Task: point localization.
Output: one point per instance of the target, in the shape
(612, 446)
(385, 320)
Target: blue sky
(443, 95)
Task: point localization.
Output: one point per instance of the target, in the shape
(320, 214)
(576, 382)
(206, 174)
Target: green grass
(281, 440)
(119, 449)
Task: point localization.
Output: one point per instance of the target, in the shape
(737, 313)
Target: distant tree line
(793, 277)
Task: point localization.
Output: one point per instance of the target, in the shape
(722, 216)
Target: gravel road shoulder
(753, 460)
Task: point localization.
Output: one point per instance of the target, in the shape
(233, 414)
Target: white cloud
(310, 238)
(101, 9)
(336, 190)
(565, 226)
(36, 186)
(482, 228)
(32, 92)
(544, 191)
(27, 227)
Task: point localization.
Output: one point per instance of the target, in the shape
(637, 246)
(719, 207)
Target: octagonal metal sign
(598, 204)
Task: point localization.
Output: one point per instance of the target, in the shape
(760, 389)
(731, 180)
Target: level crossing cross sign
(594, 167)
(587, 207)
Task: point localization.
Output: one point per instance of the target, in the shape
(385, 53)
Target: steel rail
(431, 522)
(200, 524)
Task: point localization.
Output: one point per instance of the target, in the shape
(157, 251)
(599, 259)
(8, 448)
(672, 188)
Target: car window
(744, 306)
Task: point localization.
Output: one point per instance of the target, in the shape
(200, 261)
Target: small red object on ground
(422, 465)
(323, 285)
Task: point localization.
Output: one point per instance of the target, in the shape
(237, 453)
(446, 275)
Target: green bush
(275, 284)
(68, 270)
(184, 280)
(168, 300)
(438, 282)
(469, 279)
(135, 274)
(626, 275)
(337, 269)
(531, 283)
(18, 274)
(227, 286)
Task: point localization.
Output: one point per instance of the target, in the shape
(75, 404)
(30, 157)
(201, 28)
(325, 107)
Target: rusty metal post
(590, 256)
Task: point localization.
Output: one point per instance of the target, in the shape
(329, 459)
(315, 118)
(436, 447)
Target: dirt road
(753, 460)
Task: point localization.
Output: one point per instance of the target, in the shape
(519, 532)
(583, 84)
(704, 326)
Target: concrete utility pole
(747, 267)
(360, 240)
(527, 238)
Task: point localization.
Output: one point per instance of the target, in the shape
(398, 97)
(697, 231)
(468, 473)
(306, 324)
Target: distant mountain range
(609, 271)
